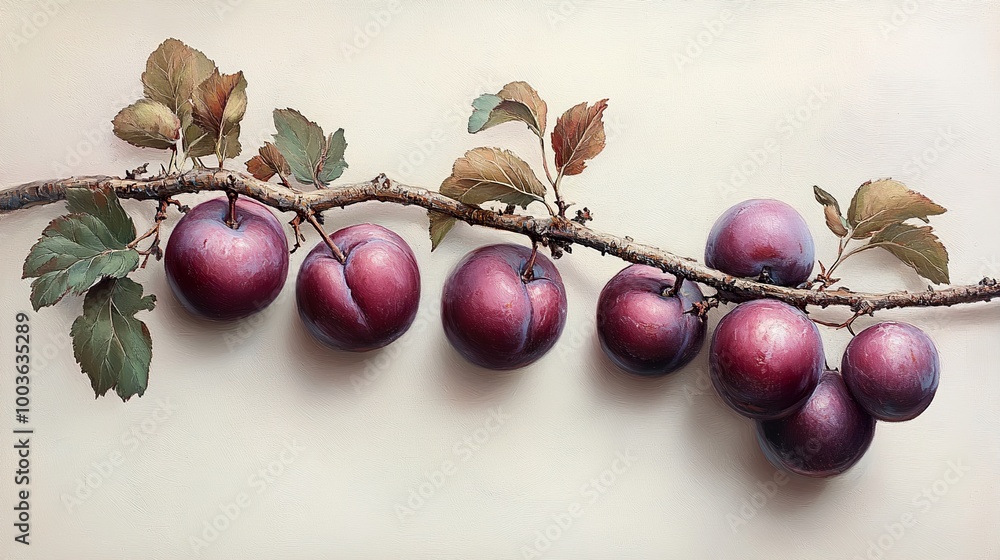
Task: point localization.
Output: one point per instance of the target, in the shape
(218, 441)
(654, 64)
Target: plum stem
(529, 268)
(231, 215)
(552, 230)
(337, 253)
(671, 291)
(848, 324)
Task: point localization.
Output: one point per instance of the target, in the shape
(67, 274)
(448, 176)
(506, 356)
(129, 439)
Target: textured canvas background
(710, 103)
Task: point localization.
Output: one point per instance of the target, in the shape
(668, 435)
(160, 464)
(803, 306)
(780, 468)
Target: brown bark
(558, 229)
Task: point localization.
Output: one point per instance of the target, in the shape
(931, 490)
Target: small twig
(137, 172)
(297, 232)
(848, 324)
(545, 161)
(701, 308)
(182, 208)
(154, 231)
(337, 253)
(560, 203)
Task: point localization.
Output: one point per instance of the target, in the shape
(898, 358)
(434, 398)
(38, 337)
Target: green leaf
(301, 141)
(102, 203)
(517, 101)
(917, 247)
(831, 210)
(440, 225)
(219, 105)
(147, 124)
(315, 159)
(332, 165)
(877, 204)
(112, 347)
(77, 250)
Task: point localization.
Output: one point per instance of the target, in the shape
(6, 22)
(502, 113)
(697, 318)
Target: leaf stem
(545, 161)
(841, 256)
(559, 200)
(337, 253)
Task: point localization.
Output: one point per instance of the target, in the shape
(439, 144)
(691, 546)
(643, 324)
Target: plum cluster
(767, 359)
(504, 306)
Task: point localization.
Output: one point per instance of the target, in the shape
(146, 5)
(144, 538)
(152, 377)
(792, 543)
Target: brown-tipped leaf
(578, 136)
(877, 204)
(482, 175)
(831, 210)
(219, 105)
(268, 162)
(917, 247)
(517, 101)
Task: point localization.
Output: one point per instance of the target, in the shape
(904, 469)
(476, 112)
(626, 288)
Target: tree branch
(555, 228)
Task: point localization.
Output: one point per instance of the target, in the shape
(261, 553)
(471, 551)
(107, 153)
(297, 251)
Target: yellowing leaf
(147, 124)
(173, 70)
(917, 247)
(877, 204)
(482, 175)
(578, 136)
(219, 105)
(172, 73)
(485, 174)
(268, 162)
(517, 101)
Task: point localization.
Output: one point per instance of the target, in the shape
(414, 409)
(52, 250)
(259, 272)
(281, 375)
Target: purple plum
(766, 358)
(365, 302)
(645, 330)
(825, 437)
(892, 370)
(224, 273)
(761, 234)
(496, 318)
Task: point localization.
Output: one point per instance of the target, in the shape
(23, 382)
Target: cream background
(244, 391)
